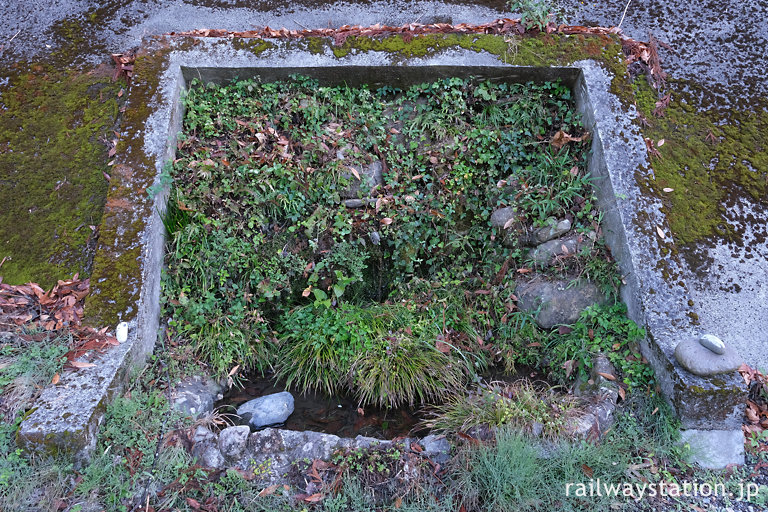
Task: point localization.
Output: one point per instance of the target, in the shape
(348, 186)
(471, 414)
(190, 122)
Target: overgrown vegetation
(342, 238)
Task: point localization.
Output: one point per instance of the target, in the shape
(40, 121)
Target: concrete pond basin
(128, 262)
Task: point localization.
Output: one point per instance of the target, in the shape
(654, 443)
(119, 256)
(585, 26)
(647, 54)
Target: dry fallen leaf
(607, 376)
(661, 233)
(386, 221)
(81, 364)
(667, 189)
(55, 379)
(660, 143)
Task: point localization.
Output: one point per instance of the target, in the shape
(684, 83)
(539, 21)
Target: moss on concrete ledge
(54, 132)
(710, 158)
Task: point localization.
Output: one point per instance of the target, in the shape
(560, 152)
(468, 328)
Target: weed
(519, 405)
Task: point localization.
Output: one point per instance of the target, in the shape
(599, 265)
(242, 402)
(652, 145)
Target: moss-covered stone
(55, 128)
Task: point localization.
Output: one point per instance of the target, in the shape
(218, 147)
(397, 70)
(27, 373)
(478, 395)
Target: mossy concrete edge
(655, 292)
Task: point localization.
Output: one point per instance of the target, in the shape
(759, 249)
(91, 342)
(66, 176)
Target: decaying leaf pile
(60, 308)
(757, 404)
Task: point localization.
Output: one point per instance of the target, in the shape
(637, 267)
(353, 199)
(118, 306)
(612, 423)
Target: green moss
(115, 285)
(709, 158)
(53, 156)
(528, 50)
(254, 45)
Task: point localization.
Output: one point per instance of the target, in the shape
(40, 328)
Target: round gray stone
(267, 410)
(701, 361)
(502, 216)
(713, 343)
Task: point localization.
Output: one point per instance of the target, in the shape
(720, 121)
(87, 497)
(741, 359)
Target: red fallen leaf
(416, 447)
(81, 364)
(622, 393)
(386, 221)
(711, 137)
(55, 379)
(268, 490)
(442, 347)
(587, 470)
(193, 503)
(591, 334)
(662, 105)
(564, 329)
(315, 498)
(535, 344)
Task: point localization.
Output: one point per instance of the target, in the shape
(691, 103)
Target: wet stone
(543, 255)
(267, 410)
(701, 361)
(558, 302)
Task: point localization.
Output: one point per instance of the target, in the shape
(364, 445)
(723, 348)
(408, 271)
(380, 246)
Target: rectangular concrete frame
(67, 416)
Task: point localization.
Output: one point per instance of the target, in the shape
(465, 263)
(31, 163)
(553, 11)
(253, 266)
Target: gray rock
(554, 229)
(233, 440)
(558, 302)
(543, 255)
(375, 237)
(273, 451)
(502, 216)
(701, 361)
(267, 410)
(359, 203)
(714, 449)
(202, 434)
(713, 343)
(208, 455)
(436, 448)
(537, 429)
(371, 176)
(196, 395)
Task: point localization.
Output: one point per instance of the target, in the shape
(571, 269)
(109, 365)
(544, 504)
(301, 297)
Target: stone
(502, 216)
(714, 449)
(543, 255)
(371, 176)
(553, 229)
(558, 302)
(701, 361)
(196, 395)
(202, 434)
(208, 455)
(233, 440)
(713, 343)
(267, 410)
(359, 203)
(121, 333)
(437, 448)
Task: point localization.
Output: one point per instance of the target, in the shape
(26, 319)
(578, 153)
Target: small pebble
(122, 332)
(713, 343)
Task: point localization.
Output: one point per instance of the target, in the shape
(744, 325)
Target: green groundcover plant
(341, 236)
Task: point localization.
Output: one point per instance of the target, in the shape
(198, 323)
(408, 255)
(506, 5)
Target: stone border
(67, 416)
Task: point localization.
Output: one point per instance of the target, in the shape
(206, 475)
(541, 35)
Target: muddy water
(341, 416)
(336, 415)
